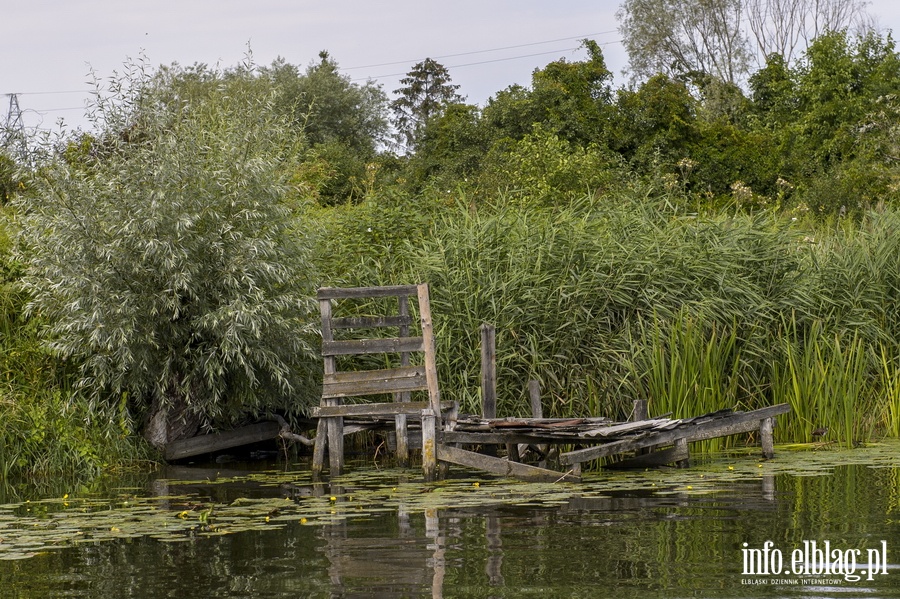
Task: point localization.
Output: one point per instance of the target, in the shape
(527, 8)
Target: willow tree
(165, 258)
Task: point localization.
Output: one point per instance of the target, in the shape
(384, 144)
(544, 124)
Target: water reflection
(441, 558)
(668, 542)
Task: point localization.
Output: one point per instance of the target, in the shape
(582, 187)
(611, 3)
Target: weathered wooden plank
(742, 422)
(500, 466)
(369, 382)
(657, 458)
(372, 346)
(370, 322)
(328, 293)
(371, 409)
(225, 440)
(617, 429)
(366, 376)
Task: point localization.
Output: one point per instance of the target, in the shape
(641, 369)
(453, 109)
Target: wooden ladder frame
(399, 381)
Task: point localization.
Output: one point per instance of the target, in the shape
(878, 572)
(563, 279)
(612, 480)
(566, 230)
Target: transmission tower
(12, 131)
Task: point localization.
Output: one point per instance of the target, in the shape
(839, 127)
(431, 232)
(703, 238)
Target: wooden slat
(375, 386)
(372, 346)
(411, 408)
(721, 427)
(373, 382)
(326, 293)
(224, 440)
(500, 466)
(366, 376)
(617, 429)
(370, 322)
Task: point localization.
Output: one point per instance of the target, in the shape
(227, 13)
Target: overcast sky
(48, 47)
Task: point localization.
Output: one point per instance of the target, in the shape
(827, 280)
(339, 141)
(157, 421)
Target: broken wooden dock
(558, 447)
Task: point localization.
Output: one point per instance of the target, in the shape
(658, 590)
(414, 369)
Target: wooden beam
(742, 422)
(328, 293)
(412, 408)
(500, 466)
(388, 345)
(201, 444)
(372, 382)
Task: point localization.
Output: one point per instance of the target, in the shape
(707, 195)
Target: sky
(50, 48)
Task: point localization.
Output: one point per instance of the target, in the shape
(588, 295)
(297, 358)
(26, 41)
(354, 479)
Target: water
(383, 533)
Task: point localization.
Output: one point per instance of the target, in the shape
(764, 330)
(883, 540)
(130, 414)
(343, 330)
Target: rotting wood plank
(609, 431)
(372, 346)
(741, 422)
(201, 444)
(370, 322)
(371, 382)
(411, 408)
(329, 293)
(500, 466)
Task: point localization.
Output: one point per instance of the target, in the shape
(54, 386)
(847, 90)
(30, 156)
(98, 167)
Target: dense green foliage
(687, 242)
(166, 262)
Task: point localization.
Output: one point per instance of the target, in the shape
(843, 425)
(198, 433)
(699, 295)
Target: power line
(561, 39)
(480, 62)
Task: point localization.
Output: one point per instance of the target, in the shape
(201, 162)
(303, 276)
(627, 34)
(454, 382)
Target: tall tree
(787, 27)
(165, 259)
(427, 90)
(684, 37)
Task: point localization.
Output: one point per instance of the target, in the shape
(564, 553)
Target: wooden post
(766, 427)
(488, 371)
(534, 394)
(335, 440)
(639, 412)
(429, 450)
(434, 393)
(334, 426)
(400, 419)
(319, 448)
(681, 446)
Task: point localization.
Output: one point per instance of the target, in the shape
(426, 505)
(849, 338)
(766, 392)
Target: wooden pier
(559, 446)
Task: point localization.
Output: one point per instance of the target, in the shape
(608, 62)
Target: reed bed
(608, 301)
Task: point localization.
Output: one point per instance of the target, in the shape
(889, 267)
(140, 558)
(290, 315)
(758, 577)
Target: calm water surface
(666, 533)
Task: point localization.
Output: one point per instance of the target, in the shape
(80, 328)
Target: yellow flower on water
(183, 515)
(690, 487)
(66, 496)
(333, 498)
(476, 484)
(303, 520)
(267, 518)
(731, 467)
